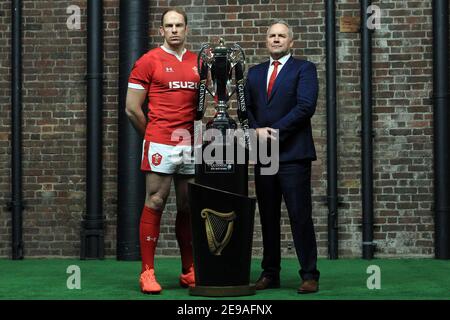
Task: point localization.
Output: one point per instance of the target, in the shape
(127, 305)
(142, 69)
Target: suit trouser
(293, 183)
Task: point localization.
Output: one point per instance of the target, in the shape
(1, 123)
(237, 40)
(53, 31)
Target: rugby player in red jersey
(168, 76)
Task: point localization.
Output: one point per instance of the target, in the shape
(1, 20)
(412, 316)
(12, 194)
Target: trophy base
(228, 291)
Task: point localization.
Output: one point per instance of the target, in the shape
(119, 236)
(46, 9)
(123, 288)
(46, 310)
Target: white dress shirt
(282, 61)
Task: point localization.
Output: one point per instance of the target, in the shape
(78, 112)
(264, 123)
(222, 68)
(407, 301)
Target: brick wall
(54, 103)
(5, 77)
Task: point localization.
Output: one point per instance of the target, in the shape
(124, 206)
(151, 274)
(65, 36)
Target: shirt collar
(282, 60)
(172, 52)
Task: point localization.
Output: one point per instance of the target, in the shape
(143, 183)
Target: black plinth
(222, 260)
(230, 174)
(227, 177)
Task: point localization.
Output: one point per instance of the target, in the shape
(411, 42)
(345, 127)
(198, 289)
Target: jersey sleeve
(141, 74)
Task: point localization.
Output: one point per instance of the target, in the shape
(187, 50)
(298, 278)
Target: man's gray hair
(290, 33)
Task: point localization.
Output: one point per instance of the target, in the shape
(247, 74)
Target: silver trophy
(216, 66)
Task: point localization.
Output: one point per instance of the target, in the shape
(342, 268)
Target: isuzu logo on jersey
(183, 85)
(156, 159)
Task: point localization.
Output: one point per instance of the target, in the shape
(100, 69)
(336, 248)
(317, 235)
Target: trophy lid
(221, 46)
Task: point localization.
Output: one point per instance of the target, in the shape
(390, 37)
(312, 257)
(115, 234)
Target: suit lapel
(263, 81)
(280, 77)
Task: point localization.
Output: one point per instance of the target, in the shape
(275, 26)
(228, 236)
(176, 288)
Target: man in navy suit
(281, 96)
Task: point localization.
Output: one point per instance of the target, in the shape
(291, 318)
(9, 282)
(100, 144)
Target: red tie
(273, 76)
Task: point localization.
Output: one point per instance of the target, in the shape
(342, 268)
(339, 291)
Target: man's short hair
(177, 10)
(290, 33)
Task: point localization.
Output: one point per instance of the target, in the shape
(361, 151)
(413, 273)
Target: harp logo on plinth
(219, 229)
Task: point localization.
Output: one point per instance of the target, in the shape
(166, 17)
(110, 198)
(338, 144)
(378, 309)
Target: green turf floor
(403, 279)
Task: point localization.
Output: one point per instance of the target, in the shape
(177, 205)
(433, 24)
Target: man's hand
(266, 133)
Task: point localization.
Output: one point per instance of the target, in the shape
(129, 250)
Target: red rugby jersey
(171, 87)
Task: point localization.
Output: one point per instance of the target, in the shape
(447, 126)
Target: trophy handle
(239, 69)
(236, 56)
(237, 48)
(202, 67)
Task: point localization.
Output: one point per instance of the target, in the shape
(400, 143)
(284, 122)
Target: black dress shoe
(266, 283)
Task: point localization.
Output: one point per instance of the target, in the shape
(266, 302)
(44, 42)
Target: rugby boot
(188, 279)
(148, 282)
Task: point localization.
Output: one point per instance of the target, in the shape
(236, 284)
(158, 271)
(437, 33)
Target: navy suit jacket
(289, 108)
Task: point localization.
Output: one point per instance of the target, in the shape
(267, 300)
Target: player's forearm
(135, 99)
(137, 119)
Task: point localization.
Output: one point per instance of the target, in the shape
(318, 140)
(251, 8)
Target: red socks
(148, 236)
(183, 233)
